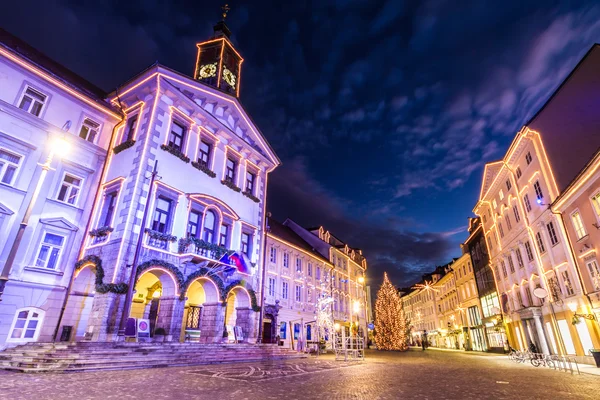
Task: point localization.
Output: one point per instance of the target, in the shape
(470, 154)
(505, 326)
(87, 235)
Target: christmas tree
(390, 321)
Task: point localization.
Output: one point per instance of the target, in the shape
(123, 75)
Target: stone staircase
(106, 356)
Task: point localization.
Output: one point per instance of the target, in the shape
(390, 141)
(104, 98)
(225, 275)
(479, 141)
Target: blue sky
(383, 112)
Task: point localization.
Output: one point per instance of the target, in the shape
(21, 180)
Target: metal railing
(561, 363)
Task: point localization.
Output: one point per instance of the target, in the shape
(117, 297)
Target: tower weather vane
(225, 9)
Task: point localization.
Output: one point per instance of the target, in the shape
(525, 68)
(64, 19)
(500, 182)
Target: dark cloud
(383, 111)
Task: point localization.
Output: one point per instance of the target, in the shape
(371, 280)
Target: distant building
(42, 103)
(469, 307)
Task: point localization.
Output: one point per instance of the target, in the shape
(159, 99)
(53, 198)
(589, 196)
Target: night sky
(383, 112)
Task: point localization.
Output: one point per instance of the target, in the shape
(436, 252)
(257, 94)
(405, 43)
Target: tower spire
(221, 29)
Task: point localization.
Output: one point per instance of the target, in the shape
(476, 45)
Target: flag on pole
(240, 262)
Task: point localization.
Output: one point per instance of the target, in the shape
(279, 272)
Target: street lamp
(59, 147)
(573, 308)
(361, 279)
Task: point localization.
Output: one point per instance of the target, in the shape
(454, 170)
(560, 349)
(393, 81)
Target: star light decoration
(427, 286)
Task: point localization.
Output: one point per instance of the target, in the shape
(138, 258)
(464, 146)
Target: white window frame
(98, 129)
(6, 163)
(272, 285)
(46, 97)
(41, 314)
(273, 255)
(595, 200)
(501, 194)
(578, 226)
(298, 294)
(39, 249)
(285, 287)
(60, 185)
(595, 279)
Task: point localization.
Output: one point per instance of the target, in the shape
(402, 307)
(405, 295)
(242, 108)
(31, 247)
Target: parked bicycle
(542, 359)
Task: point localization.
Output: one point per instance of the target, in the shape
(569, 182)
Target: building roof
(569, 122)
(48, 65)
(286, 234)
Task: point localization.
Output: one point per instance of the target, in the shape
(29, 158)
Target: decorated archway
(202, 302)
(238, 313)
(79, 303)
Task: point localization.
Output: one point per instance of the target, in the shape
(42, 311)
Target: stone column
(212, 322)
(537, 317)
(170, 317)
(104, 319)
(245, 319)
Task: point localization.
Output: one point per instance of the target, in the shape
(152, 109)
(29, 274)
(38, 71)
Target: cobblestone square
(383, 375)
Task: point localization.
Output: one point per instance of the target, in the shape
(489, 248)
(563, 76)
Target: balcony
(100, 235)
(159, 240)
(192, 245)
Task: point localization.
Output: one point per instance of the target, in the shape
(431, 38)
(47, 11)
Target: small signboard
(131, 327)
(230, 334)
(143, 328)
(239, 334)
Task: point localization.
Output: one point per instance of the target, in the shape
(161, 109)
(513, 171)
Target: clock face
(208, 70)
(229, 77)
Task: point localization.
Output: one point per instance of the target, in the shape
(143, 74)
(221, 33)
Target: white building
(296, 277)
(206, 200)
(43, 105)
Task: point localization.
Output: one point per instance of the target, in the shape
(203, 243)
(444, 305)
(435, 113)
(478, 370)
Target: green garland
(231, 185)
(103, 231)
(202, 244)
(204, 169)
(123, 146)
(251, 293)
(168, 266)
(100, 286)
(160, 236)
(198, 274)
(176, 152)
(251, 196)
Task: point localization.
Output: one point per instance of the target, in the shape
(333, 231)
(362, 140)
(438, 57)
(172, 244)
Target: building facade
(469, 306)
(297, 276)
(534, 266)
(182, 197)
(347, 277)
(55, 130)
(449, 328)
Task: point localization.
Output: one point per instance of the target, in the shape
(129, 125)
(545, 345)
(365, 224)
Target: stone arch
(201, 318)
(81, 299)
(238, 312)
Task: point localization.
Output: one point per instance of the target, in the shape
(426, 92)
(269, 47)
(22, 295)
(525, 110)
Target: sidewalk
(583, 368)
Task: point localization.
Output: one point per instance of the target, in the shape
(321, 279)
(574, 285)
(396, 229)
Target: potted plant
(159, 335)
(596, 354)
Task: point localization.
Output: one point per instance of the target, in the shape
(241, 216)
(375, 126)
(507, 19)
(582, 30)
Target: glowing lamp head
(156, 294)
(539, 201)
(336, 326)
(572, 306)
(60, 147)
(356, 306)
(361, 279)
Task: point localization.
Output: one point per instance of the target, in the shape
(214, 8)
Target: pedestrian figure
(424, 342)
(533, 347)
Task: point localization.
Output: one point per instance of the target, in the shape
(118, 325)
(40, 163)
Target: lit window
(26, 325)
(284, 290)
(50, 250)
(176, 136)
(552, 234)
(519, 258)
(230, 166)
(130, 130)
(596, 203)
(538, 190)
(578, 225)
(298, 265)
(540, 242)
(69, 190)
(528, 158)
(286, 260)
(194, 224)
(9, 165)
(494, 203)
(33, 101)
(594, 273)
(250, 179)
(527, 203)
(246, 243)
(528, 251)
(501, 194)
(204, 153)
(508, 185)
(298, 293)
(162, 214)
(273, 255)
(518, 172)
(223, 234)
(567, 282)
(89, 130)
(516, 212)
(271, 286)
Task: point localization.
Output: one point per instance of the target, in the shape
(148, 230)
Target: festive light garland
(391, 325)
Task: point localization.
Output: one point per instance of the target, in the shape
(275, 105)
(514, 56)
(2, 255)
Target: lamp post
(58, 147)
(576, 316)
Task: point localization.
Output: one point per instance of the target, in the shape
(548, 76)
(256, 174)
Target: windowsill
(44, 271)
(10, 187)
(583, 238)
(63, 204)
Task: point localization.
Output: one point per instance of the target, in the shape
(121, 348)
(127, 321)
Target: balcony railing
(159, 240)
(202, 248)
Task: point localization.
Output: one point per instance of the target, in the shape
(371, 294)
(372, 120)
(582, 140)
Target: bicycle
(542, 359)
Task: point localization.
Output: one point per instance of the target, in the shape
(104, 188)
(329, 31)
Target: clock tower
(218, 64)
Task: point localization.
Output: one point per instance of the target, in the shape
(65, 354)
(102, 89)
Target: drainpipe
(87, 228)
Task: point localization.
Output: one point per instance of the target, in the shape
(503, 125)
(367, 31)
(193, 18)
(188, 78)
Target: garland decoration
(249, 195)
(160, 263)
(160, 236)
(100, 286)
(123, 146)
(176, 152)
(231, 185)
(103, 231)
(203, 168)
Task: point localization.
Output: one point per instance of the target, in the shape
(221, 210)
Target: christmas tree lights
(391, 325)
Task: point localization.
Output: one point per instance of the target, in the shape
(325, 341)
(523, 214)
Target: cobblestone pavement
(383, 375)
